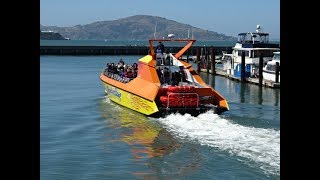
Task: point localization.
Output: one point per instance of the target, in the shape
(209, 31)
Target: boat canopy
(253, 37)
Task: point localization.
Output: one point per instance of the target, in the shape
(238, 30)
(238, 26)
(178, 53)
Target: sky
(229, 17)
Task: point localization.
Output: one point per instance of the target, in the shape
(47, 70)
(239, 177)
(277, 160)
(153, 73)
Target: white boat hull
(270, 76)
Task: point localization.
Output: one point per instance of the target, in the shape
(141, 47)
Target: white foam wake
(254, 144)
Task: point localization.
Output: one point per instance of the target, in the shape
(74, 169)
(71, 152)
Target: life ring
(181, 95)
(181, 89)
(178, 101)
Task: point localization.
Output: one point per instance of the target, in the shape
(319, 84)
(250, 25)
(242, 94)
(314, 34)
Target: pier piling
(277, 71)
(260, 69)
(213, 61)
(243, 64)
(198, 59)
(206, 57)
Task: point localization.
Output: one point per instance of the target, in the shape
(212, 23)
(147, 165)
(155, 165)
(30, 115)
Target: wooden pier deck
(265, 83)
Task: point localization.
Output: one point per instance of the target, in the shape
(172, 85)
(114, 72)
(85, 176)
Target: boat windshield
(276, 57)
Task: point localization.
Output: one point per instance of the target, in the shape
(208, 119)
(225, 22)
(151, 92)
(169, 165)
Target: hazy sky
(229, 17)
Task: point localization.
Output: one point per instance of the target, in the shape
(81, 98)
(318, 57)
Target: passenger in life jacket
(159, 56)
(161, 46)
(175, 78)
(166, 75)
(158, 50)
(121, 61)
(129, 73)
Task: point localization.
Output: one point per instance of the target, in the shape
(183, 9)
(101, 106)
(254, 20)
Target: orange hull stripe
(137, 86)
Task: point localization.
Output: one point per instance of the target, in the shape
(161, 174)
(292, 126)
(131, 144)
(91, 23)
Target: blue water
(85, 136)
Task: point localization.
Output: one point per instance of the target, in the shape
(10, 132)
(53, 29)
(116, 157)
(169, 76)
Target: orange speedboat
(162, 83)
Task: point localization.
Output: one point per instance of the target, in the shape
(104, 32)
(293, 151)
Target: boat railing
(118, 77)
(182, 94)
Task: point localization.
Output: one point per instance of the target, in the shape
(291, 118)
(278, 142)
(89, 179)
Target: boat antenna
(192, 33)
(252, 36)
(155, 30)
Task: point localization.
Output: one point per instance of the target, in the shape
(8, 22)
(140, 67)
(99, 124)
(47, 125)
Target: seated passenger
(130, 73)
(121, 61)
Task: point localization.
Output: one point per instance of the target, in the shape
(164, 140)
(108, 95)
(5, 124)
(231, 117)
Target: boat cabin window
(265, 53)
(264, 39)
(227, 58)
(246, 53)
(241, 38)
(251, 37)
(271, 67)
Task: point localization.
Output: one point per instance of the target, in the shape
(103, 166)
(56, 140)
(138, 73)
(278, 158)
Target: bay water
(83, 135)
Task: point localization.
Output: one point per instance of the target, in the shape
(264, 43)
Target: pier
(206, 62)
(265, 83)
(201, 55)
(115, 50)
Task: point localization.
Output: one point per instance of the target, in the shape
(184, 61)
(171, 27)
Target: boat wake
(259, 145)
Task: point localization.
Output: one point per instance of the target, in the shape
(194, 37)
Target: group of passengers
(121, 72)
(174, 79)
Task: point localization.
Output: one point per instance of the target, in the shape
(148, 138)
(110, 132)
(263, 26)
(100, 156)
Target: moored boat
(254, 45)
(269, 70)
(161, 85)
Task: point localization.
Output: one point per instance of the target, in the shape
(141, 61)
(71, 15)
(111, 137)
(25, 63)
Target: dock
(207, 59)
(116, 50)
(265, 83)
(197, 53)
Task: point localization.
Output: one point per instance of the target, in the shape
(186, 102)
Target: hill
(139, 27)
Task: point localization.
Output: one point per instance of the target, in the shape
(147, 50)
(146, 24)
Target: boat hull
(193, 111)
(130, 100)
(150, 108)
(269, 75)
